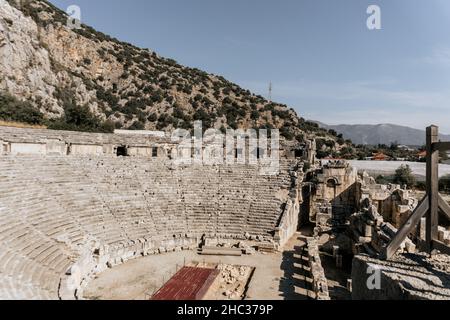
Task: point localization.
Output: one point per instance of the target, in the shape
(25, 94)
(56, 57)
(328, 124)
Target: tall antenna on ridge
(270, 91)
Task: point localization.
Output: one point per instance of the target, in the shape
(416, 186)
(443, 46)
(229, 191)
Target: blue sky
(320, 56)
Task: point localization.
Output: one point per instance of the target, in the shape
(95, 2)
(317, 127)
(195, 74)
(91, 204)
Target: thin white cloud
(439, 57)
(361, 92)
(366, 102)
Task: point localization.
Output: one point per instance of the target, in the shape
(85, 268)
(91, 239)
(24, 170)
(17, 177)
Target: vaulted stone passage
(122, 151)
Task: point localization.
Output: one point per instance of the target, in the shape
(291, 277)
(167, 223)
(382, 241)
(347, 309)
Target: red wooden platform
(189, 283)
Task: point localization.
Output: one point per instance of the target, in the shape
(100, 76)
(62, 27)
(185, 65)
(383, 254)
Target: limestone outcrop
(26, 70)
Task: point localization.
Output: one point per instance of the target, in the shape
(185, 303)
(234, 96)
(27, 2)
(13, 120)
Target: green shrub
(332, 132)
(421, 185)
(152, 117)
(444, 184)
(202, 115)
(255, 115)
(282, 114)
(226, 91)
(383, 180)
(324, 142)
(107, 96)
(300, 137)
(340, 141)
(137, 125)
(306, 167)
(157, 97)
(404, 176)
(286, 132)
(179, 113)
(80, 118)
(323, 154)
(12, 109)
(269, 107)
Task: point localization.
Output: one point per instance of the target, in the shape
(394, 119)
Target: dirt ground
(277, 276)
(337, 277)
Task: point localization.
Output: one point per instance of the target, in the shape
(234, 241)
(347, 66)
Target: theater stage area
(276, 276)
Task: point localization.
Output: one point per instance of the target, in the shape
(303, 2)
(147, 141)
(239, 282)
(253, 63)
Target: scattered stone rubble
(444, 235)
(233, 281)
(394, 202)
(371, 234)
(248, 244)
(347, 207)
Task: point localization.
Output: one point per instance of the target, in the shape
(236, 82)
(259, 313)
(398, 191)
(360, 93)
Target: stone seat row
(49, 206)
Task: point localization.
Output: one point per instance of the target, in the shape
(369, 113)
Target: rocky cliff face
(52, 66)
(26, 70)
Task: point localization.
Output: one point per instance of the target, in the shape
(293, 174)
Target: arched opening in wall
(122, 151)
(154, 152)
(331, 183)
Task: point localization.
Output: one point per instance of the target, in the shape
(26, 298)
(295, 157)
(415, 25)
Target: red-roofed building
(380, 157)
(422, 155)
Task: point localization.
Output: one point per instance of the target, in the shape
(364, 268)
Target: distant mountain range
(381, 134)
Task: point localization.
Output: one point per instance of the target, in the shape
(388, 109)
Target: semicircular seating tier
(61, 216)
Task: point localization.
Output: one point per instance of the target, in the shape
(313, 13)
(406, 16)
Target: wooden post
(432, 187)
(430, 205)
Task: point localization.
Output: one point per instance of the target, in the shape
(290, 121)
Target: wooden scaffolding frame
(430, 205)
